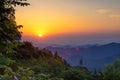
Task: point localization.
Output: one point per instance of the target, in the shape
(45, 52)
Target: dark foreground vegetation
(23, 61)
(29, 63)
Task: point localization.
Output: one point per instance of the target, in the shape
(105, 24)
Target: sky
(70, 21)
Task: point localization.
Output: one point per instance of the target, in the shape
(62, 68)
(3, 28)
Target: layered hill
(93, 57)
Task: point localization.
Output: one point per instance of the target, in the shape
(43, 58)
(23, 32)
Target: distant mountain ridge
(93, 56)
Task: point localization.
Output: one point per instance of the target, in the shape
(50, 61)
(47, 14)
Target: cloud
(109, 13)
(103, 11)
(114, 15)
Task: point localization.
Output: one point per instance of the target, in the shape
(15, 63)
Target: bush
(75, 74)
(112, 72)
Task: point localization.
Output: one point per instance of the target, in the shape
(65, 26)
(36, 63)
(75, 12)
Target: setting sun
(40, 35)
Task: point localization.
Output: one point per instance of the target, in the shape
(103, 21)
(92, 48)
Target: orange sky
(52, 17)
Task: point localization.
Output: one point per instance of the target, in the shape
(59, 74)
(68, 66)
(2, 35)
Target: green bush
(112, 71)
(75, 74)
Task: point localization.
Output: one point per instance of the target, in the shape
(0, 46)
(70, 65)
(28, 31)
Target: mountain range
(92, 56)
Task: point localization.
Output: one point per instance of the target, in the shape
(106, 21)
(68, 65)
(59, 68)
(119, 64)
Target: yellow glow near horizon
(40, 35)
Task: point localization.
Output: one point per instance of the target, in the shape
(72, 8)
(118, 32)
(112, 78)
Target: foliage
(7, 72)
(9, 33)
(76, 73)
(20, 74)
(112, 71)
(9, 37)
(41, 61)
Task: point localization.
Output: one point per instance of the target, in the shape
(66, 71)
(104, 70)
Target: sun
(40, 35)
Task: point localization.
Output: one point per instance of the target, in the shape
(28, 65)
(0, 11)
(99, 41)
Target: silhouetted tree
(56, 55)
(95, 75)
(81, 62)
(9, 33)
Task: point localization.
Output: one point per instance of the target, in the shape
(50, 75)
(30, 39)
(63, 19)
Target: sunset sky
(70, 21)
